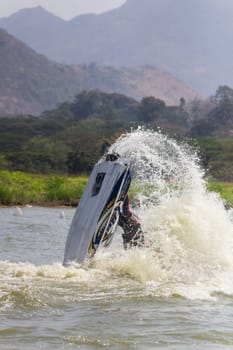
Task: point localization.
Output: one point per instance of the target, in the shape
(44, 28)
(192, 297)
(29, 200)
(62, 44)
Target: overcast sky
(63, 8)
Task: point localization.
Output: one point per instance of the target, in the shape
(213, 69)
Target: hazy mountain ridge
(136, 82)
(30, 83)
(190, 39)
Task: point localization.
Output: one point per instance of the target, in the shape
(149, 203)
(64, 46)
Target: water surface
(176, 293)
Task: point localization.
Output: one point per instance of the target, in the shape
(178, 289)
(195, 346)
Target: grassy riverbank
(21, 188)
(224, 189)
(18, 188)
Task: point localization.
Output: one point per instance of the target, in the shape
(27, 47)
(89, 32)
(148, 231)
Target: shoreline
(22, 189)
(228, 206)
(40, 205)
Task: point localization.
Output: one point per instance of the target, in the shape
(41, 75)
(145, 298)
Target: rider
(133, 235)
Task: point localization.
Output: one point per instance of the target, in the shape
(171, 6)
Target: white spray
(190, 233)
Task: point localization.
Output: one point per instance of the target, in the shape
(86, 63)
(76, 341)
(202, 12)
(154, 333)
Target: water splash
(189, 237)
(190, 232)
(159, 164)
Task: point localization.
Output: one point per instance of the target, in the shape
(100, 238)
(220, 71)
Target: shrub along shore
(19, 188)
(45, 190)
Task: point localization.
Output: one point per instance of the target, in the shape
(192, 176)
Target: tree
(83, 105)
(224, 109)
(182, 103)
(223, 95)
(151, 108)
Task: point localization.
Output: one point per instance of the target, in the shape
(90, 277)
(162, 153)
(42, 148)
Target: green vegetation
(72, 137)
(217, 157)
(68, 140)
(21, 188)
(213, 117)
(224, 189)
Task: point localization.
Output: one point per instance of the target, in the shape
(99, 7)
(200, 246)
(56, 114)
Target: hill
(190, 39)
(30, 83)
(136, 82)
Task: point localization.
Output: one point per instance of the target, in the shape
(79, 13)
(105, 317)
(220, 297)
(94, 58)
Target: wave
(189, 238)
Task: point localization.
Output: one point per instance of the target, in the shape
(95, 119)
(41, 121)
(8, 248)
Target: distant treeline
(72, 137)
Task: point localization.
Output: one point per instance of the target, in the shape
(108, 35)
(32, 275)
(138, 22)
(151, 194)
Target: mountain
(191, 39)
(30, 83)
(29, 24)
(136, 82)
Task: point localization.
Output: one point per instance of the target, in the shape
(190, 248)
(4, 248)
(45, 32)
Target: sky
(66, 9)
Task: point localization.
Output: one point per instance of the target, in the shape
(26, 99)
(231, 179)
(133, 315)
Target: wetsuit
(130, 223)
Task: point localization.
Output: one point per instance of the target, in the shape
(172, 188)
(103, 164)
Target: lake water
(175, 294)
(121, 300)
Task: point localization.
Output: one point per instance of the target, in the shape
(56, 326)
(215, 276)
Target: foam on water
(189, 236)
(190, 232)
